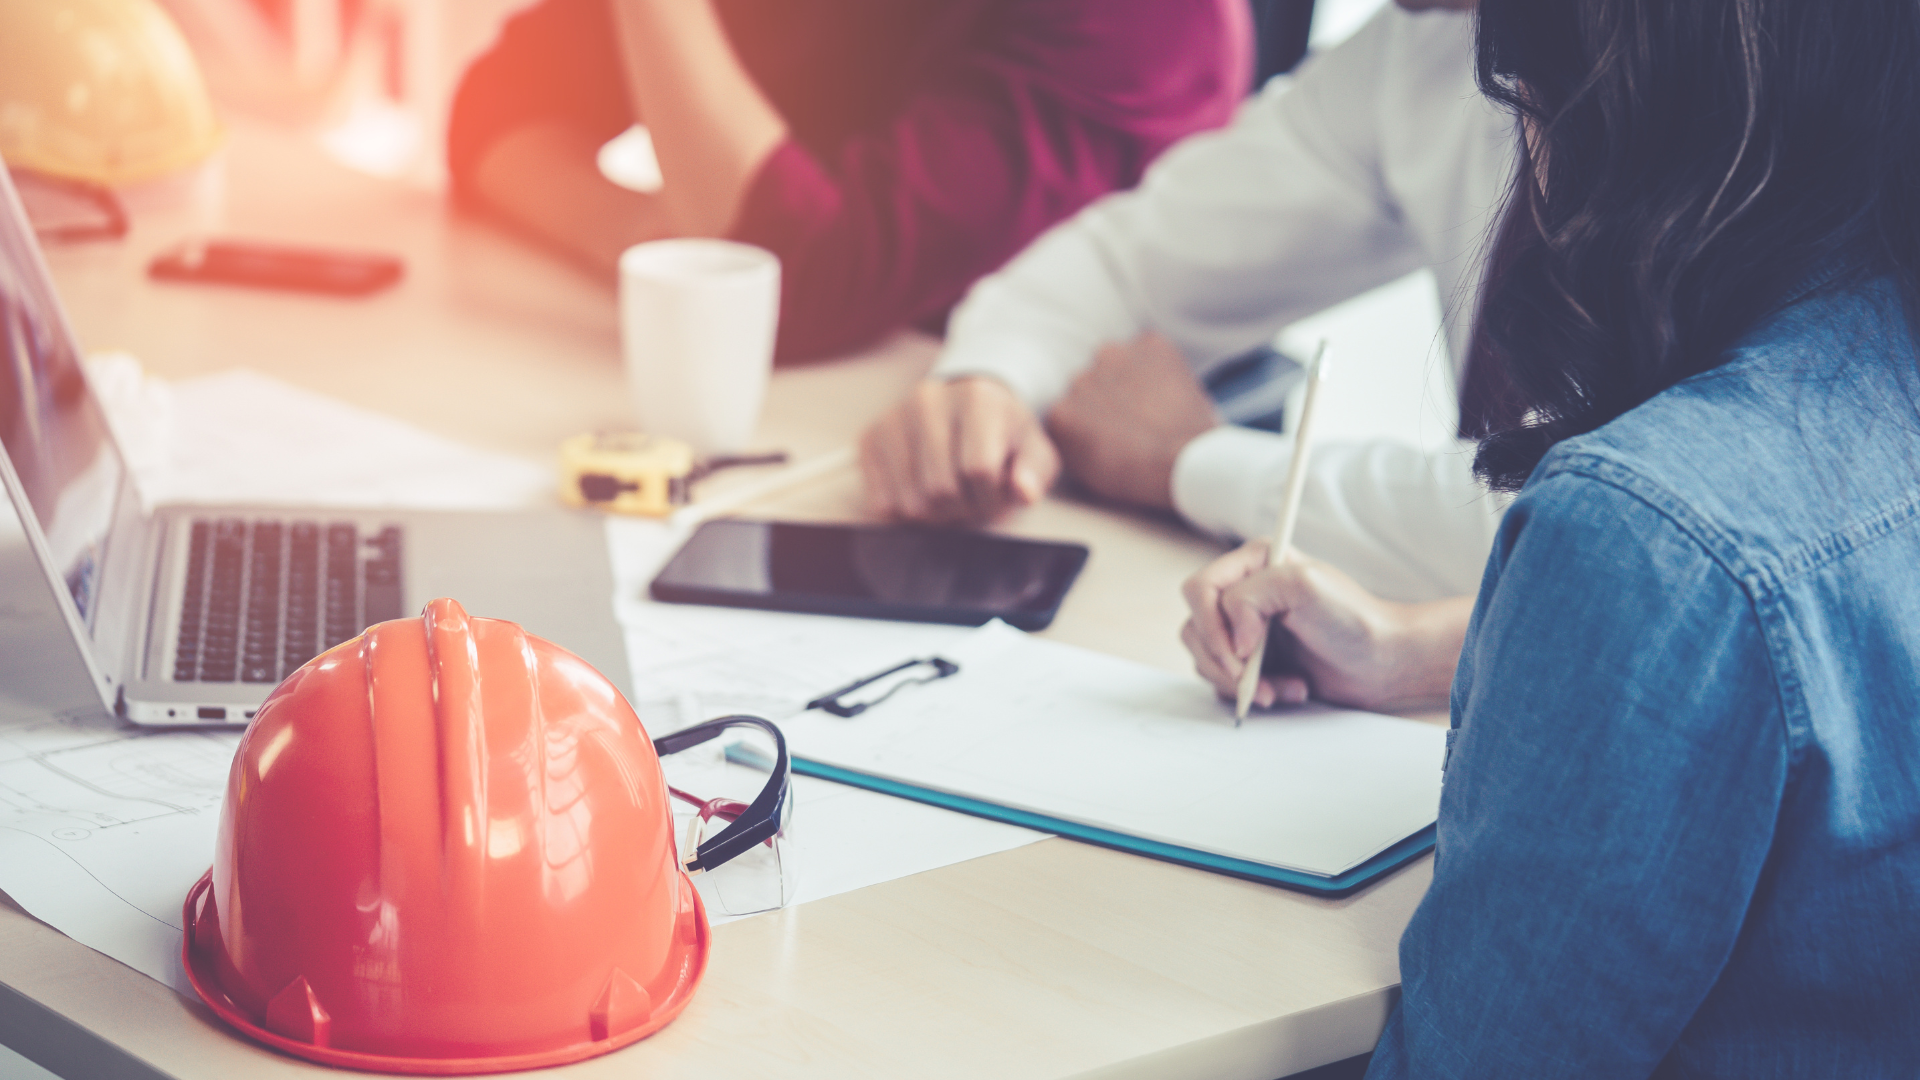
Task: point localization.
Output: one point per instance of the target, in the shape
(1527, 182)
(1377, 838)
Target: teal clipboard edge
(1391, 859)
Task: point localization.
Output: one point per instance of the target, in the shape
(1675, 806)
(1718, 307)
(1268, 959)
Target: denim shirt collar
(1829, 271)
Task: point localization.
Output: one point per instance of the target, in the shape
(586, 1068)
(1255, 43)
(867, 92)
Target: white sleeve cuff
(1218, 479)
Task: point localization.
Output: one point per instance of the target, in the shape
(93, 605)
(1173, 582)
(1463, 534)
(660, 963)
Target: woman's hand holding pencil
(1337, 642)
(1332, 639)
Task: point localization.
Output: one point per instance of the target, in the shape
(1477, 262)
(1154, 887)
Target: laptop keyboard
(263, 597)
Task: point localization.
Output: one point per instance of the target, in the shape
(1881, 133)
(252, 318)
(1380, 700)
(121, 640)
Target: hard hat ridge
(446, 848)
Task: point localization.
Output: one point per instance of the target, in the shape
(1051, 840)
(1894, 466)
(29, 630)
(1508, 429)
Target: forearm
(1035, 324)
(712, 127)
(544, 178)
(1422, 651)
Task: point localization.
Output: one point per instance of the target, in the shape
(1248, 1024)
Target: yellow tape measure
(626, 472)
(631, 473)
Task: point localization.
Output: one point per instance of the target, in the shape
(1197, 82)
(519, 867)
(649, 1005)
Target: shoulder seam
(1767, 576)
(1760, 589)
(1711, 541)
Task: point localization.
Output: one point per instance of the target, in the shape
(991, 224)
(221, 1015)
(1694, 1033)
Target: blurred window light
(1334, 21)
(377, 137)
(628, 160)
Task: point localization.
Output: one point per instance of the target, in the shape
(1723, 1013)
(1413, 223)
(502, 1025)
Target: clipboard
(1047, 736)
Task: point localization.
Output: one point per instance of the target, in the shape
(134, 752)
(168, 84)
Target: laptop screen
(52, 428)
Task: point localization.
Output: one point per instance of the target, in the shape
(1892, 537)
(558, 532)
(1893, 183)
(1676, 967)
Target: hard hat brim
(692, 942)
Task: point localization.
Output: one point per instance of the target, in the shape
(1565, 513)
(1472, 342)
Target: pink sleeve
(1059, 104)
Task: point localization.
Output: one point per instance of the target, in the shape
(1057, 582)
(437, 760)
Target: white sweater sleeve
(1236, 233)
(1231, 235)
(1408, 524)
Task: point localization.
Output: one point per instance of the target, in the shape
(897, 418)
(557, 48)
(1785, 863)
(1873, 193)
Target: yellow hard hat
(104, 91)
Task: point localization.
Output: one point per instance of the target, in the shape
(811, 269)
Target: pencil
(1289, 516)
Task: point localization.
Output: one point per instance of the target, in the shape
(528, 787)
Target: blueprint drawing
(103, 829)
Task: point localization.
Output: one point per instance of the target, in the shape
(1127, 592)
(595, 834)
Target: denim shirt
(1680, 830)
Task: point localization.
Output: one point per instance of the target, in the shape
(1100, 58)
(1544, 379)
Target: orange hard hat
(446, 848)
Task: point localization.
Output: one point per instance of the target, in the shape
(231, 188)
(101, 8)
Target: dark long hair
(1686, 164)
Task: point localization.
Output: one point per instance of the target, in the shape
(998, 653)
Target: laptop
(191, 615)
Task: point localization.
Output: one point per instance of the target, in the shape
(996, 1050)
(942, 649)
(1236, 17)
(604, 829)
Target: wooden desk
(1057, 959)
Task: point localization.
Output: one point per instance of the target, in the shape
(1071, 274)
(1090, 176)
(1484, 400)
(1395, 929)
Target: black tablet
(872, 571)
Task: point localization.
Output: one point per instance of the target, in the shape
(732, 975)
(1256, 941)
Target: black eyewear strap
(764, 815)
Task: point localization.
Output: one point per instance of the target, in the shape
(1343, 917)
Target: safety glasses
(739, 852)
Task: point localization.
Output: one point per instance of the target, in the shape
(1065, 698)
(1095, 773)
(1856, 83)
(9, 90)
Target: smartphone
(872, 571)
(270, 266)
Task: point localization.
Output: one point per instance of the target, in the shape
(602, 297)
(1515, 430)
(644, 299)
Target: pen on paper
(1289, 516)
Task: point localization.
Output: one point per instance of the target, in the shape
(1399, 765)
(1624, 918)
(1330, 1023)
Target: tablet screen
(876, 571)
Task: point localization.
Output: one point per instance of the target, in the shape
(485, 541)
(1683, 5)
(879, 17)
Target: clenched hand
(1126, 418)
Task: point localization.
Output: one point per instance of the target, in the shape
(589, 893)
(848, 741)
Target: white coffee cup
(697, 319)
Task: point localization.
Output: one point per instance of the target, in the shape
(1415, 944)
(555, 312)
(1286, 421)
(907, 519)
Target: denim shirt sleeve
(1610, 798)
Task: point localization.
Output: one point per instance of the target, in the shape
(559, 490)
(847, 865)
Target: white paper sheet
(1094, 739)
(240, 436)
(104, 827)
(694, 663)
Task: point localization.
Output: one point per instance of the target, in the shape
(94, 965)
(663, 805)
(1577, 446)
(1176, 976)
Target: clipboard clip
(936, 668)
